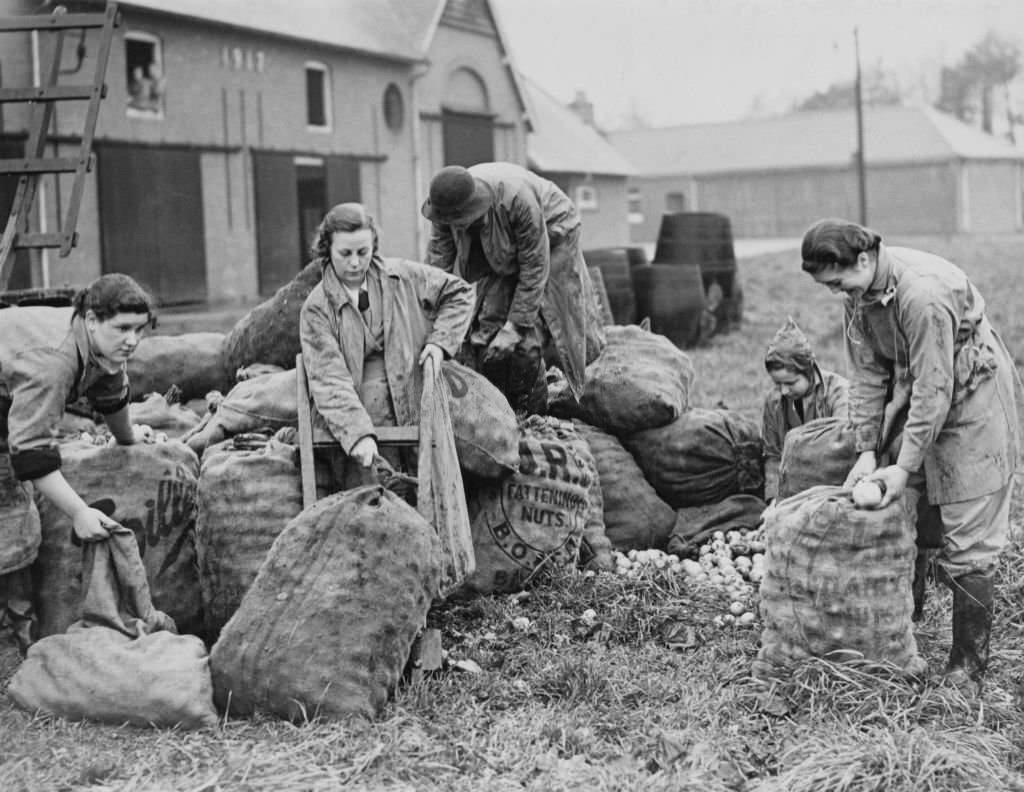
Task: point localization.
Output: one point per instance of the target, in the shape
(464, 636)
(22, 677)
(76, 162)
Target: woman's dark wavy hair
(112, 294)
(833, 242)
(343, 217)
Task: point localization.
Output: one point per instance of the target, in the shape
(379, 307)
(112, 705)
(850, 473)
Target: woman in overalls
(368, 328)
(46, 365)
(924, 354)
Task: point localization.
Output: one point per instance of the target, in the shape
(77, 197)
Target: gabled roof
(561, 142)
(374, 27)
(821, 139)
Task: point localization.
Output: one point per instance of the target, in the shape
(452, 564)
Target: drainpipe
(41, 187)
(418, 72)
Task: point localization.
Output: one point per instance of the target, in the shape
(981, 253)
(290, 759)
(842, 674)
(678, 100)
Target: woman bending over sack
(802, 392)
(924, 354)
(369, 326)
(44, 367)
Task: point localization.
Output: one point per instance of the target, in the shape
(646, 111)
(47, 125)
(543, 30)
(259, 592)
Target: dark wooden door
(468, 138)
(343, 181)
(151, 219)
(278, 232)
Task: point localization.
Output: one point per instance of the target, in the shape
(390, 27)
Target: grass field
(651, 697)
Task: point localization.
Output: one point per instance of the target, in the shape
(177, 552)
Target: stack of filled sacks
(658, 457)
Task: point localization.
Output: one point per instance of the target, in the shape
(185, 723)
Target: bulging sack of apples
(327, 626)
(837, 582)
(535, 518)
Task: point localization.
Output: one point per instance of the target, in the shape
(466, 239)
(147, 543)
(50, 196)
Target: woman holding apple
(924, 356)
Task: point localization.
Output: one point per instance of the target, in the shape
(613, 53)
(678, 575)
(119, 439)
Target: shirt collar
(883, 285)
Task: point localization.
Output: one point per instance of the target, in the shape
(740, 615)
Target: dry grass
(650, 696)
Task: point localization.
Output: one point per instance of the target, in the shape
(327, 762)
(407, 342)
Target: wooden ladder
(34, 164)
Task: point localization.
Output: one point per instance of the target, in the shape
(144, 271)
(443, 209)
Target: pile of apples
(732, 561)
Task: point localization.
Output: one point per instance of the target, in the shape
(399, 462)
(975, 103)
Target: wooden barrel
(618, 283)
(56, 297)
(604, 307)
(672, 296)
(705, 239)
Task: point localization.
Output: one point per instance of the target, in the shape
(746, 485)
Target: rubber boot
(973, 601)
(920, 581)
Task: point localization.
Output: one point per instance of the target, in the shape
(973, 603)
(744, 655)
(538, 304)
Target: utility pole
(859, 100)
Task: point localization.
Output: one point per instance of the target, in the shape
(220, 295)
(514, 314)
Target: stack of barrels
(690, 289)
(611, 266)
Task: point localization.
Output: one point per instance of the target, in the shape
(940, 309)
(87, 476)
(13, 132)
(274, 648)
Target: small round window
(394, 109)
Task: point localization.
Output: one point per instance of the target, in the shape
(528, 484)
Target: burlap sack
(695, 525)
(702, 457)
(821, 452)
(192, 361)
(269, 333)
(640, 381)
(635, 517)
(246, 498)
(155, 412)
(149, 488)
(837, 582)
(327, 626)
(123, 661)
(99, 674)
(19, 519)
(534, 519)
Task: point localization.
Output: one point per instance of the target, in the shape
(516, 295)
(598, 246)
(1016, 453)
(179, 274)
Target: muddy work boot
(920, 584)
(19, 623)
(973, 600)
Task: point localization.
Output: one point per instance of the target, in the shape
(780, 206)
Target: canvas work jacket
(923, 355)
(46, 363)
(420, 305)
(829, 396)
(531, 231)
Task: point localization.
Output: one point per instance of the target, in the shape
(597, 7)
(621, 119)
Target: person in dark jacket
(925, 359)
(517, 237)
(45, 366)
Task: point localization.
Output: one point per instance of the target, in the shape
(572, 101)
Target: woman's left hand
(432, 352)
(894, 479)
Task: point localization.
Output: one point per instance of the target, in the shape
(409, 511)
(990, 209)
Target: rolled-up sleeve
(39, 382)
(330, 381)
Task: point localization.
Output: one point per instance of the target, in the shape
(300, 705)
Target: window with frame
(675, 202)
(635, 205)
(586, 197)
(318, 96)
(145, 82)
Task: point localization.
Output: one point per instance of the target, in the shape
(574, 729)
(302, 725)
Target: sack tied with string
(837, 582)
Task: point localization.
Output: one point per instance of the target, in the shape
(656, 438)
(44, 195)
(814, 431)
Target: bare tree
(968, 88)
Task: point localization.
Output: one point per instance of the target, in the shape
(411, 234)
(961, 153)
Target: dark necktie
(364, 300)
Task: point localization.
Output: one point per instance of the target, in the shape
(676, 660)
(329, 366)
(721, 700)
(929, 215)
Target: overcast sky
(692, 61)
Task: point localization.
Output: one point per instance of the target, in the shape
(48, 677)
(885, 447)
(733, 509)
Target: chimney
(583, 107)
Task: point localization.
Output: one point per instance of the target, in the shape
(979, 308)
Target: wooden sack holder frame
(312, 437)
(43, 98)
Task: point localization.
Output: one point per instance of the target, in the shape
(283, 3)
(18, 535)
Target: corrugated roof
(561, 142)
(376, 27)
(808, 140)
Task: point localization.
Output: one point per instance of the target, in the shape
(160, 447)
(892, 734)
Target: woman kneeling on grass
(923, 351)
(368, 327)
(43, 368)
(802, 392)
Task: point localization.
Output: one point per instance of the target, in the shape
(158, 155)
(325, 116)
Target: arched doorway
(466, 121)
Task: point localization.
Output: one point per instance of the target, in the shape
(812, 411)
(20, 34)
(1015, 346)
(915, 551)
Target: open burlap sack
(147, 487)
(837, 583)
(818, 453)
(326, 628)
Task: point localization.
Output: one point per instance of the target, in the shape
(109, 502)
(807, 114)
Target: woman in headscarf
(802, 392)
